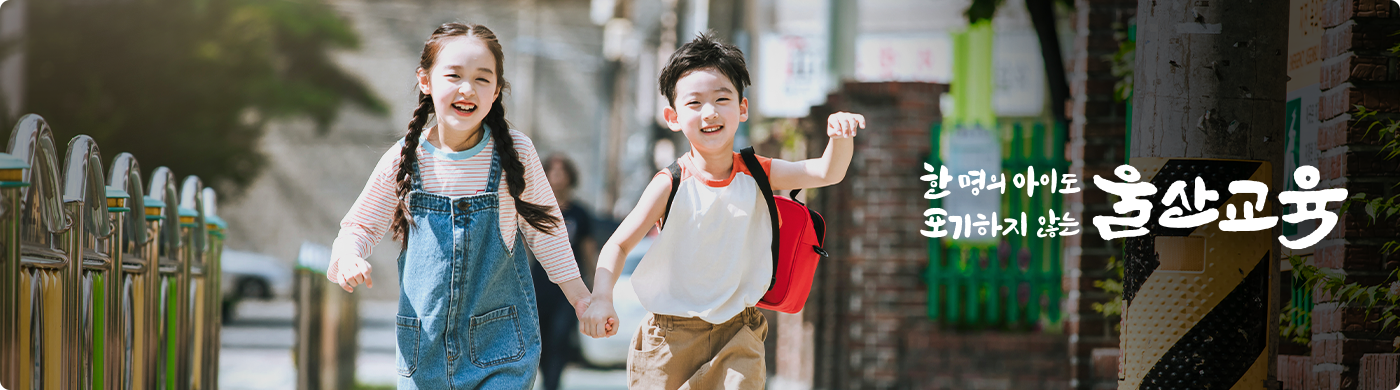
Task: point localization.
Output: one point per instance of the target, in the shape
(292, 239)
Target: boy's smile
(708, 110)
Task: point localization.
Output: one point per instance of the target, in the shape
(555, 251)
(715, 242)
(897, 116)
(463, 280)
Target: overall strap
(761, 176)
(675, 170)
(493, 181)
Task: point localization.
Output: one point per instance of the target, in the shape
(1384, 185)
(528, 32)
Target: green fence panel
(1017, 280)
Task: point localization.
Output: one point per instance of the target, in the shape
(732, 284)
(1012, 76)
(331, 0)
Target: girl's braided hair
(536, 215)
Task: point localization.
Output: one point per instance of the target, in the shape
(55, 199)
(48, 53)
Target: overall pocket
(496, 338)
(406, 351)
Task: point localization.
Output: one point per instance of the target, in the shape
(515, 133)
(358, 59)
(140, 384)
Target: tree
(188, 84)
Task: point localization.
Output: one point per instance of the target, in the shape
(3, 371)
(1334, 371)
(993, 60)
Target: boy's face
(707, 110)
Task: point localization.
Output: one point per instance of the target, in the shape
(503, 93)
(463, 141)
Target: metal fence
(105, 283)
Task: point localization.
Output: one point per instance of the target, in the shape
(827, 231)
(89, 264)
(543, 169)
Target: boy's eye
(452, 75)
(692, 103)
(723, 99)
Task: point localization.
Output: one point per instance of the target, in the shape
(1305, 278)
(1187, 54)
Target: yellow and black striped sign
(1196, 300)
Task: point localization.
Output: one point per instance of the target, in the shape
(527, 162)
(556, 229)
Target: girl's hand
(599, 320)
(353, 271)
(844, 124)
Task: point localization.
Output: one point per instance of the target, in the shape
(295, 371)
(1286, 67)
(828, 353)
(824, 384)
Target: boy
(711, 264)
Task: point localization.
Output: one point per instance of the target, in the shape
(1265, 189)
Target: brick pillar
(1356, 70)
(870, 290)
(1096, 146)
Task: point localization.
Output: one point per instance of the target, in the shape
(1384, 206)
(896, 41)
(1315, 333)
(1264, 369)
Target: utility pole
(1200, 304)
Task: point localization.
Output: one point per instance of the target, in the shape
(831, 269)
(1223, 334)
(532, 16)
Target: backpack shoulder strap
(761, 176)
(675, 170)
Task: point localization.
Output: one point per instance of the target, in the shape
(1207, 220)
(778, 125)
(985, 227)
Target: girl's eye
(452, 76)
(483, 80)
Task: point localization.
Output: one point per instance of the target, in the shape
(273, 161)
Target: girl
(462, 197)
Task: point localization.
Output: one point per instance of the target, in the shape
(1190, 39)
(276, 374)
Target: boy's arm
(614, 253)
(830, 168)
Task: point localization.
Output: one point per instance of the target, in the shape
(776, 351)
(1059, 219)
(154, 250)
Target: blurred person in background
(558, 322)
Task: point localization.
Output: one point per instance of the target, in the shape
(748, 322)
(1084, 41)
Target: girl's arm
(551, 249)
(610, 261)
(366, 222)
(831, 167)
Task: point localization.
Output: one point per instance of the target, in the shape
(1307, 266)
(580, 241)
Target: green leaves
(981, 10)
(189, 84)
(1114, 286)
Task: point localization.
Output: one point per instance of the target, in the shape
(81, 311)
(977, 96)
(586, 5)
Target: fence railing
(1016, 280)
(105, 283)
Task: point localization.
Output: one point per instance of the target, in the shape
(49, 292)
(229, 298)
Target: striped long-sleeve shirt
(455, 174)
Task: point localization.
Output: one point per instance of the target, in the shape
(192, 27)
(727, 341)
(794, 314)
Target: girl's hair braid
(536, 215)
(408, 162)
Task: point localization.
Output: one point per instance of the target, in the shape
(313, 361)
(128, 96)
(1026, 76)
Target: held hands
(598, 319)
(353, 271)
(844, 125)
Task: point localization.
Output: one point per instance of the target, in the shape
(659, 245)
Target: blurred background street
(277, 111)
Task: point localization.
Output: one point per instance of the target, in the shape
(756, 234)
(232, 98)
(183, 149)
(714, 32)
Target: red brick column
(1096, 146)
(1356, 70)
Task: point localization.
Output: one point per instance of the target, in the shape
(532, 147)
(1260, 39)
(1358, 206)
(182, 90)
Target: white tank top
(714, 256)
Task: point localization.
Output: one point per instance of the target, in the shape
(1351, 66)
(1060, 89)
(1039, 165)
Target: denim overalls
(467, 316)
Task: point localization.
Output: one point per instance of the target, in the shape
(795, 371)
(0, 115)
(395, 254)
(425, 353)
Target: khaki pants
(670, 352)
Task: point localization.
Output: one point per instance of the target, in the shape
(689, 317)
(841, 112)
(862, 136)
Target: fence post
(214, 278)
(11, 180)
(172, 281)
(192, 230)
(327, 324)
(131, 279)
(39, 295)
(113, 342)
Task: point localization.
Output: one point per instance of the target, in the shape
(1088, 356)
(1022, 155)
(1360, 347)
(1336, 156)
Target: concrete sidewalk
(257, 351)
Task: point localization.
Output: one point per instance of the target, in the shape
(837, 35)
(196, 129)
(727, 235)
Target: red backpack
(797, 249)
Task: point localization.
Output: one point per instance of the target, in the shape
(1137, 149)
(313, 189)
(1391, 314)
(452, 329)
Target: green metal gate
(1016, 279)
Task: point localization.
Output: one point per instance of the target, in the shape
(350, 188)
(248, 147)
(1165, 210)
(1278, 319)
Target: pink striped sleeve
(369, 219)
(552, 250)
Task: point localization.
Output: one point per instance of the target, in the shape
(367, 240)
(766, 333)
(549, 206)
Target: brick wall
(1356, 69)
(1096, 146)
(869, 301)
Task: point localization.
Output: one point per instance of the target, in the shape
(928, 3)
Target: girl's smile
(464, 108)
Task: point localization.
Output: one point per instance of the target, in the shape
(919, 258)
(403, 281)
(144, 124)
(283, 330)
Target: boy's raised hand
(599, 320)
(353, 271)
(844, 125)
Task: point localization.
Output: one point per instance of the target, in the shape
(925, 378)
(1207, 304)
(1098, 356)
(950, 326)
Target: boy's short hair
(704, 52)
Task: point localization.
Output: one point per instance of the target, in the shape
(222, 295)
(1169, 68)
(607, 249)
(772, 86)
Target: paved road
(257, 351)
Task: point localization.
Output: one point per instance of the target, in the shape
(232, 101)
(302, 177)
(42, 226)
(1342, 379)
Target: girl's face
(462, 83)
